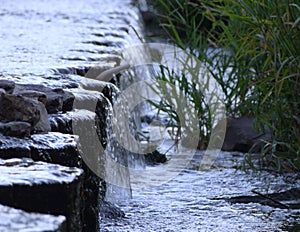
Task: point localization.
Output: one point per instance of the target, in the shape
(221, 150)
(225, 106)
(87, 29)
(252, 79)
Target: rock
(44, 188)
(241, 135)
(39, 96)
(155, 158)
(18, 220)
(68, 100)
(60, 149)
(2, 91)
(18, 108)
(109, 210)
(15, 129)
(43, 125)
(285, 199)
(8, 86)
(11, 147)
(56, 148)
(57, 99)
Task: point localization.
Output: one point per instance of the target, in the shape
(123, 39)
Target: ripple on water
(187, 203)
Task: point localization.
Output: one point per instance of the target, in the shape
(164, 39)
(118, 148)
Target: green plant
(256, 63)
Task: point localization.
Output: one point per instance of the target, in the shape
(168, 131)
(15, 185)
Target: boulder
(44, 188)
(23, 109)
(7, 85)
(242, 135)
(57, 99)
(15, 129)
(18, 220)
(18, 108)
(37, 95)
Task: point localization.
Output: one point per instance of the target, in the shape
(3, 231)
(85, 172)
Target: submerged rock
(44, 188)
(288, 199)
(155, 158)
(18, 220)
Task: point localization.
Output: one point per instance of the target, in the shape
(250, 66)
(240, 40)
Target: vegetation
(252, 49)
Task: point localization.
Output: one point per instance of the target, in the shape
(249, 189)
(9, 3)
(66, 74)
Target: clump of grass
(257, 63)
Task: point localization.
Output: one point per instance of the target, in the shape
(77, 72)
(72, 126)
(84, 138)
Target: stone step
(18, 220)
(44, 188)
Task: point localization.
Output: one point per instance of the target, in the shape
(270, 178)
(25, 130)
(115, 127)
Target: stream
(192, 201)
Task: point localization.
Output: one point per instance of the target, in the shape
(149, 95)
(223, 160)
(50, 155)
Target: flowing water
(193, 201)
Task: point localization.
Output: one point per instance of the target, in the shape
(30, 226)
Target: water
(191, 201)
(37, 36)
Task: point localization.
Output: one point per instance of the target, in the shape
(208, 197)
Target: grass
(255, 60)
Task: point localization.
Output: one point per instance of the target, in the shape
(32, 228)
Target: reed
(256, 61)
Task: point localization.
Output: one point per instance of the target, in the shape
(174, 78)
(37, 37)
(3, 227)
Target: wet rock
(242, 135)
(56, 148)
(57, 99)
(285, 199)
(7, 85)
(15, 129)
(24, 109)
(60, 149)
(18, 220)
(11, 147)
(109, 210)
(43, 125)
(44, 188)
(52, 147)
(61, 123)
(18, 108)
(39, 96)
(155, 158)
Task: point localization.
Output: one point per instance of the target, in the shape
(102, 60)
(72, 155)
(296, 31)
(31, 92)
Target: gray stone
(242, 135)
(57, 99)
(16, 129)
(44, 188)
(18, 108)
(7, 85)
(43, 125)
(18, 220)
(61, 149)
(37, 95)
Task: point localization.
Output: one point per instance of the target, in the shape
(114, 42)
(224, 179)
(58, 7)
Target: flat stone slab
(18, 220)
(53, 147)
(44, 188)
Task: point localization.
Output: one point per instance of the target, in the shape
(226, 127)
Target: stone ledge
(18, 220)
(44, 188)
